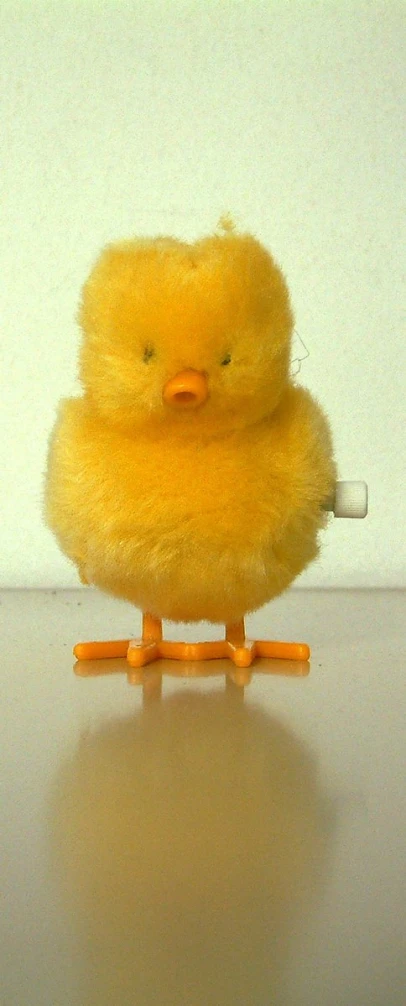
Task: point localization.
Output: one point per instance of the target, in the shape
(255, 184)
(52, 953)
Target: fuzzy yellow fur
(195, 514)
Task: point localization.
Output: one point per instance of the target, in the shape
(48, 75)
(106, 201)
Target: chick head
(194, 335)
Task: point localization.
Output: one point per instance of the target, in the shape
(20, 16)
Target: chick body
(191, 530)
(203, 514)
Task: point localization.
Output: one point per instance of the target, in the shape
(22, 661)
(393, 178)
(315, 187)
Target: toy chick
(192, 477)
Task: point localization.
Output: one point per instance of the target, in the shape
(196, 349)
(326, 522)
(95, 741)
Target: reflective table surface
(192, 842)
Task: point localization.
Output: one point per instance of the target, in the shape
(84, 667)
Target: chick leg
(147, 649)
(240, 651)
(151, 629)
(235, 633)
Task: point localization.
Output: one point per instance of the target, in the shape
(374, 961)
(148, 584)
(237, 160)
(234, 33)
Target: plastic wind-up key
(350, 500)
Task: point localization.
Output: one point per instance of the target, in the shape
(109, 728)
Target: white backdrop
(145, 117)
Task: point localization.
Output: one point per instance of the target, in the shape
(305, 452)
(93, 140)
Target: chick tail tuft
(226, 223)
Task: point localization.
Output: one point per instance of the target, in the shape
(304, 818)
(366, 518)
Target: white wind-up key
(350, 500)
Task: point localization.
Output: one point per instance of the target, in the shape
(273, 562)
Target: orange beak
(186, 390)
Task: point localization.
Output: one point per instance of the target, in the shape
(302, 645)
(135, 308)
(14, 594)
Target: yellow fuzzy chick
(190, 477)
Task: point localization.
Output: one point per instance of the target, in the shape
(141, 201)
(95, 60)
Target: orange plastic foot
(151, 647)
(282, 651)
(151, 631)
(101, 651)
(140, 652)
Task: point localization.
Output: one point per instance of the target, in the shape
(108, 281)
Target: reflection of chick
(190, 839)
(190, 477)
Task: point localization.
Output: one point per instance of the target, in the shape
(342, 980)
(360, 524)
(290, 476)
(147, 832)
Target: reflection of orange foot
(151, 647)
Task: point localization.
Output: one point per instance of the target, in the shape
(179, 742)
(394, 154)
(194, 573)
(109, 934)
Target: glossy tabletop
(192, 842)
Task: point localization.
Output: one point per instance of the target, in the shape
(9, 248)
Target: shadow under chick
(188, 840)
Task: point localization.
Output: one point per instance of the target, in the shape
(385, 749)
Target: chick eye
(149, 352)
(226, 360)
